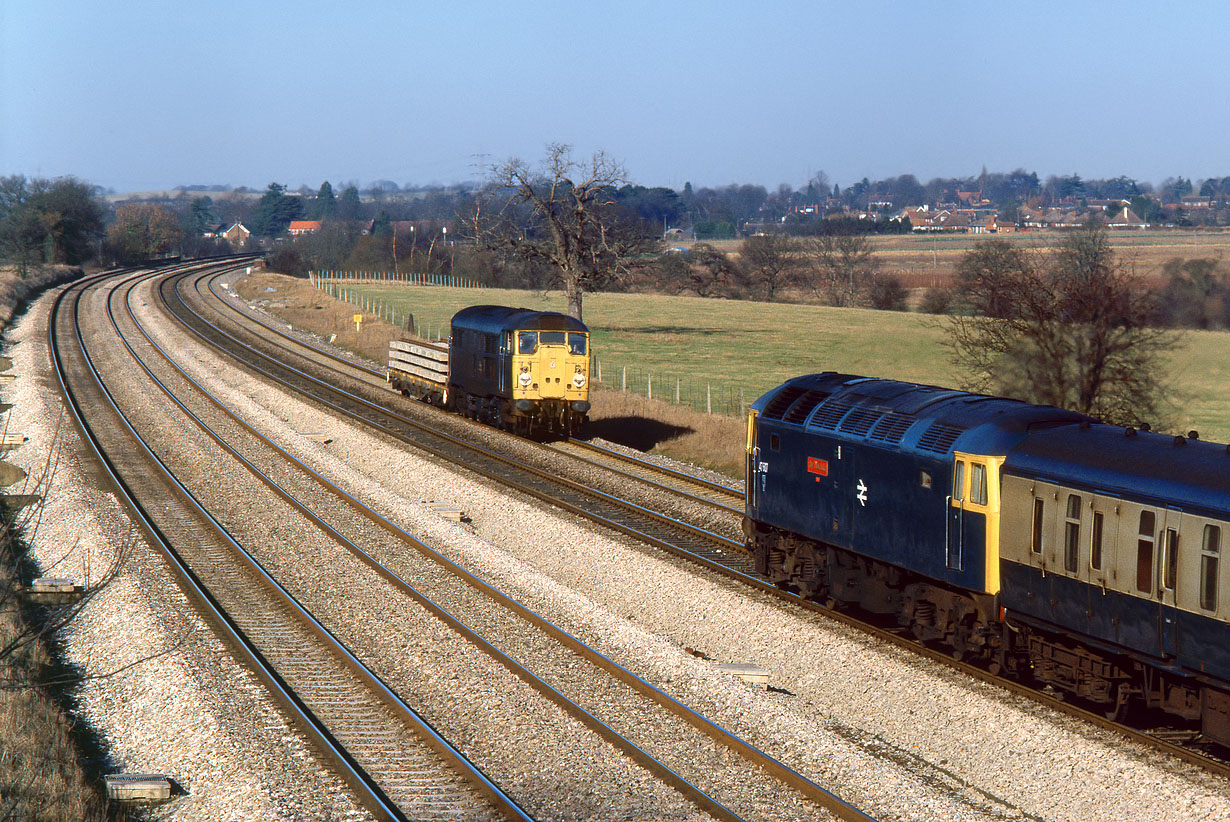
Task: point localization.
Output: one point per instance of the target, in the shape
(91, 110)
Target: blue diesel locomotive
(1035, 540)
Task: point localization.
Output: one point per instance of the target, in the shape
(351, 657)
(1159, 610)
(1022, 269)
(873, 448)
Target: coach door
(1168, 545)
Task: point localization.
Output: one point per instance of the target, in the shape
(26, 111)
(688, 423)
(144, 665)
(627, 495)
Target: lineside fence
(322, 279)
(340, 289)
(679, 389)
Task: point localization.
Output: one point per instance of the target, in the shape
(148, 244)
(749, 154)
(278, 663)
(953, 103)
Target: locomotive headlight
(525, 379)
(578, 379)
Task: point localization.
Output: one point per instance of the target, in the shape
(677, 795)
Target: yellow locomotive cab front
(551, 365)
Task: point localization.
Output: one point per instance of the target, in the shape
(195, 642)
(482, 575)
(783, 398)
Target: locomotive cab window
(551, 337)
(977, 483)
(527, 342)
(1209, 550)
(1144, 552)
(958, 481)
(577, 343)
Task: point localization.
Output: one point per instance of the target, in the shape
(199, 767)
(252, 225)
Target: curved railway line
(397, 765)
(716, 552)
(291, 648)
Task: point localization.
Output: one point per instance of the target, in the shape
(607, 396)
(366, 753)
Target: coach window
(1209, 551)
(1095, 543)
(1171, 559)
(1035, 543)
(977, 483)
(1144, 552)
(1072, 533)
(958, 481)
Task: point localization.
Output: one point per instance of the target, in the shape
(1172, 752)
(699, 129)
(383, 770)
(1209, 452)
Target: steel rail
(734, 569)
(732, 563)
(370, 794)
(609, 734)
(379, 417)
(291, 343)
(778, 770)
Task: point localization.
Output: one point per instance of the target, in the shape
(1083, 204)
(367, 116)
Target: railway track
(762, 766)
(725, 556)
(722, 497)
(397, 765)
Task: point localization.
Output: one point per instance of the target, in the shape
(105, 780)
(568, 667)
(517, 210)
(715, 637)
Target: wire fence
(678, 389)
(320, 279)
(376, 307)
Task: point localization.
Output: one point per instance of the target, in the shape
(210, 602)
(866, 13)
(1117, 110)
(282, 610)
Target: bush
(937, 301)
(887, 293)
(288, 261)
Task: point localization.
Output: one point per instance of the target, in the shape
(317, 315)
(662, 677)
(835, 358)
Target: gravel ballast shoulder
(160, 688)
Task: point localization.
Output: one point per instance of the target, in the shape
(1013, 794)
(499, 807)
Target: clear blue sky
(134, 94)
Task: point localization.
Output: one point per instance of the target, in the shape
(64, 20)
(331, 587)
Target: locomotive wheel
(1120, 708)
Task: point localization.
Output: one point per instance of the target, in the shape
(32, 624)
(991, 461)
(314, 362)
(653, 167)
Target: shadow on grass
(640, 433)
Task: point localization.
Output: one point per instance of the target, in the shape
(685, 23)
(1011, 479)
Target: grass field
(754, 346)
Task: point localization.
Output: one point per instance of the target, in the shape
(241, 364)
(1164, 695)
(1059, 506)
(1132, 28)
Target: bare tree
(1071, 328)
(711, 273)
(843, 267)
(563, 214)
(770, 262)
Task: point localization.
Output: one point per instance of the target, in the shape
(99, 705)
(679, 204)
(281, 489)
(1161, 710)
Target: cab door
(955, 532)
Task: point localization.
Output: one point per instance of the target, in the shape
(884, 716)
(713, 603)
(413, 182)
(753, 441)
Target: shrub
(937, 301)
(887, 293)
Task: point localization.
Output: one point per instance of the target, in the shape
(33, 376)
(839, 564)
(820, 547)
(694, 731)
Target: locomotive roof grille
(784, 399)
(892, 427)
(939, 437)
(803, 407)
(860, 420)
(830, 413)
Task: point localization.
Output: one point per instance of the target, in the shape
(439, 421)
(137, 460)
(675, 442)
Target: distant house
(215, 232)
(1127, 219)
(1198, 201)
(298, 227)
(237, 235)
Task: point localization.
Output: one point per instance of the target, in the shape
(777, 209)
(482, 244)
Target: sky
(138, 95)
